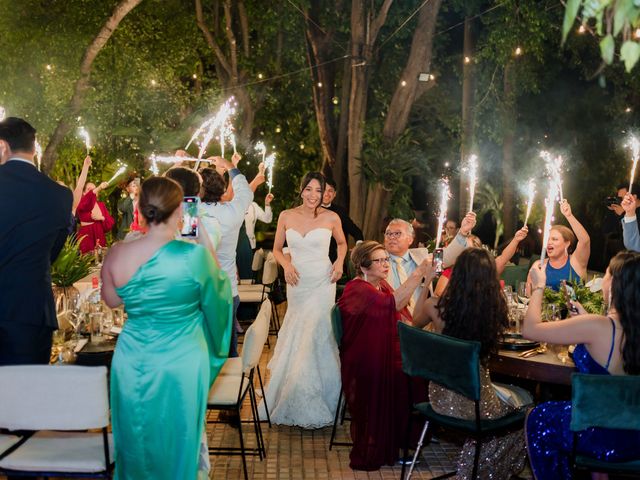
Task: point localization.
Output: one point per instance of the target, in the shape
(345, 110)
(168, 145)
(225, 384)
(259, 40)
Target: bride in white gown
(305, 367)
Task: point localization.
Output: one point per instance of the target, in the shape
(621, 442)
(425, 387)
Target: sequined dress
(500, 457)
(550, 441)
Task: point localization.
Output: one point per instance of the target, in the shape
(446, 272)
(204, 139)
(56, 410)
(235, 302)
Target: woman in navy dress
(607, 345)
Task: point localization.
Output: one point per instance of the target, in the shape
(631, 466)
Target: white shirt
(224, 220)
(255, 213)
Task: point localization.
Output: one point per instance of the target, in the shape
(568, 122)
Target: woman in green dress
(172, 346)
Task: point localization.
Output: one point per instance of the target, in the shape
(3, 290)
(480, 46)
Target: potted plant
(70, 266)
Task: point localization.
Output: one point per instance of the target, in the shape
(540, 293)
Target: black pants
(22, 344)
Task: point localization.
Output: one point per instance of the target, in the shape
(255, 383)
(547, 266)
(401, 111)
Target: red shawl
(374, 385)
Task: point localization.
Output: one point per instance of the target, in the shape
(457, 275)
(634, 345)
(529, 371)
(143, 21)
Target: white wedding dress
(305, 367)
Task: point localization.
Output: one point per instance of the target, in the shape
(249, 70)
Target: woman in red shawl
(94, 218)
(374, 385)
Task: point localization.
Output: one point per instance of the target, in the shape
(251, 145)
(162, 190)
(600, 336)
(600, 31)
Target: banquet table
(543, 368)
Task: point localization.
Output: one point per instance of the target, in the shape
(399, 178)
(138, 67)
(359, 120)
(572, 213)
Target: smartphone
(190, 220)
(438, 259)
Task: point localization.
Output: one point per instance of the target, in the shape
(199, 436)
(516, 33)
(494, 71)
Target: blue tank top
(585, 362)
(556, 275)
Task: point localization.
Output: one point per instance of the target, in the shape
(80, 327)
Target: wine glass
(76, 315)
(523, 296)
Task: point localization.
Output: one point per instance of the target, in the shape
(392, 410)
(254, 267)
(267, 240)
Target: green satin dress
(169, 353)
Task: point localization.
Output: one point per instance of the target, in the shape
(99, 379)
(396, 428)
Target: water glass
(95, 326)
(118, 316)
(523, 296)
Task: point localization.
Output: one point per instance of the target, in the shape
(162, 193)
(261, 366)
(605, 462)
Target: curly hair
(473, 306)
(213, 185)
(625, 298)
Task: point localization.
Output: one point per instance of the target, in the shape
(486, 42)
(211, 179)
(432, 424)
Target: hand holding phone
(438, 260)
(190, 220)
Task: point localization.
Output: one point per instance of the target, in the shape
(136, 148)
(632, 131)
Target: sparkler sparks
(38, 153)
(531, 192)
(85, 136)
(634, 145)
(554, 169)
(442, 214)
(120, 171)
(549, 203)
(220, 122)
(269, 164)
(473, 174)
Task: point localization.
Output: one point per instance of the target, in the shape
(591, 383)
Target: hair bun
(150, 212)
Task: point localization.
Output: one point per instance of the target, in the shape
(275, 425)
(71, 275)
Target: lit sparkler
(219, 122)
(269, 163)
(261, 148)
(85, 136)
(120, 171)
(554, 169)
(473, 176)
(3, 112)
(634, 145)
(442, 214)
(550, 204)
(232, 137)
(531, 192)
(38, 153)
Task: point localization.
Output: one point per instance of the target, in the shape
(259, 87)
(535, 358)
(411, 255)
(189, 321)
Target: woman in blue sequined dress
(607, 345)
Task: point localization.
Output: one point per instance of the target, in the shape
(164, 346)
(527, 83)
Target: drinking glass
(118, 316)
(523, 297)
(95, 326)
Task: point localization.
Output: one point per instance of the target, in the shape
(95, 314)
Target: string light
(153, 83)
(260, 76)
(467, 59)
(637, 33)
(403, 83)
(195, 76)
(335, 100)
(319, 84)
(49, 67)
(432, 77)
(628, 109)
(278, 129)
(302, 146)
(518, 51)
(581, 29)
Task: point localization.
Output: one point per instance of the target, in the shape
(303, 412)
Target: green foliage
(593, 302)
(613, 19)
(71, 265)
(489, 201)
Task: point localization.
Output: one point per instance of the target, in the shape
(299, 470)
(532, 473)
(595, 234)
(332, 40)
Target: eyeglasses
(380, 261)
(393, 234)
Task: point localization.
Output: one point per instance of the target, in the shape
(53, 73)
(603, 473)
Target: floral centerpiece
(593, 302)
(70, 266)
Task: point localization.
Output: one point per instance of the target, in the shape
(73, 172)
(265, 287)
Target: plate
(514, 341)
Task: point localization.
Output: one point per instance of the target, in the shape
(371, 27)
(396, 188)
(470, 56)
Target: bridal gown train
(305, 367)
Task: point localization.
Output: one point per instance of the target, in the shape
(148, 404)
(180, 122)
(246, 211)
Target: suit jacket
(418, 255)
(348, 227)
(34, 218)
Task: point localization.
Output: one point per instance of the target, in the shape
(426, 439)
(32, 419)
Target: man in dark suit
(34, 216)
(348, 227)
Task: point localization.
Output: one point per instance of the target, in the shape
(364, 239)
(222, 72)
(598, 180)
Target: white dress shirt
(255, 213)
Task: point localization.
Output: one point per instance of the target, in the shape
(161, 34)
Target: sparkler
(473, 172)
(261, 148)
(85, 135)
(232, 137)
(549, 203)
(442, 214)
(554, 169)
(120, 171)
(218, 122)
(634, 145)
(269, 163)
(531, 192)
(2, 113)
(38, 153)
(155, 159)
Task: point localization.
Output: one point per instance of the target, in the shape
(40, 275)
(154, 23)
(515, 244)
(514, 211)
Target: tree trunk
(408, 90)
(340, 174)
(468, 113)
(75, 104)
(509, 118)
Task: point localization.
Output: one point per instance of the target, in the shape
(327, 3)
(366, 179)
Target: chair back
(607, 401)
(258, 260)
(448, 361)
(336, 324)
(270, 272)
(514, 274)
(255, 337)
(45, 397)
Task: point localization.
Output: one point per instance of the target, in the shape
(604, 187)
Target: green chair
(454, 364)
(341, 409)
(606, 401)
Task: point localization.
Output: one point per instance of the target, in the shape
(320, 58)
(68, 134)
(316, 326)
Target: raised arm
(259, 179)
(510, 249)
(630, 234)
(459, 243)
(583, 248)
(404, 292)
(80, 183)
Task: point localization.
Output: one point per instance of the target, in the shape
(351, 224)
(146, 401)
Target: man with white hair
(399, 236)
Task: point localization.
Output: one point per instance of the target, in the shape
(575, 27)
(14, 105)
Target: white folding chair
(59, 403)
(259, 292)
(256, 266)
(230, 389)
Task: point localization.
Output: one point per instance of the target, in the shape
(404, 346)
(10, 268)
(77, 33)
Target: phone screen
(190, 220)
(438, 259)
